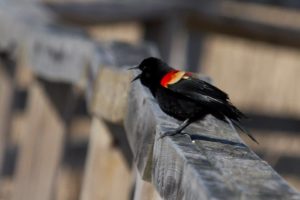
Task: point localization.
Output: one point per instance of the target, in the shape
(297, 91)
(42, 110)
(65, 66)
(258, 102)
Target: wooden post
(41, 149)
(68, 183)
(6, 98)
(108, 103)
(107, 175)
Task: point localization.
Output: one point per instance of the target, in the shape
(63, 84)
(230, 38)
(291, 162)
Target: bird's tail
(235, 113)
(234, 123)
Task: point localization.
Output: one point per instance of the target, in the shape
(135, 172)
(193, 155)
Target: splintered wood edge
(222, 168)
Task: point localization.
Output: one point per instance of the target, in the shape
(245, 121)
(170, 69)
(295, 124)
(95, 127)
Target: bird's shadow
(212, 139)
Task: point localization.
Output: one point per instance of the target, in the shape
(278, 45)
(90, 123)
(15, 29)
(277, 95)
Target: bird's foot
(168, 133)
(173, 133)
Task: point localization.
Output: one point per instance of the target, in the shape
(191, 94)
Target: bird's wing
(208, 95)
(186, 85)
(203, 93)
(196, 89)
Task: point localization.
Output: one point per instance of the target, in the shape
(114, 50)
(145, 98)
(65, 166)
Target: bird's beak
(136, 78)
(136, 67)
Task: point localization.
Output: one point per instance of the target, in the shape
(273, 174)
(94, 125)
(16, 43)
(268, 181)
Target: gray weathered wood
(206, 15)
(107, 11)
(17, 20)
(59, 54)
(221, 168)
(144, 190)
(54, 52)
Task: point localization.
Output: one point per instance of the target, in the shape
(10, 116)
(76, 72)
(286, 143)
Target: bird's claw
(168, 133)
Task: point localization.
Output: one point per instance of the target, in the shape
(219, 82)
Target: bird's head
(153, 69)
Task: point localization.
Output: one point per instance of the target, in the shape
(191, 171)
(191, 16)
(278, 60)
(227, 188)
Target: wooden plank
(96, 11)
(6, 97)
(41, 149)
(107, 102)
(55, 56)
(106, 175)
(18, 128)
(6, 189)
(55, 52)
(69, 182)
(293, 4)
(23, 75)
(216, 166)
(130, 32)
(226, 17)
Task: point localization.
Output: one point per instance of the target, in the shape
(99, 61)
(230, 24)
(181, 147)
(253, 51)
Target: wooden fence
(59, 66)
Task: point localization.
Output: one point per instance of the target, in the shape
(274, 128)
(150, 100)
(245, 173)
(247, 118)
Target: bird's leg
(178, 130)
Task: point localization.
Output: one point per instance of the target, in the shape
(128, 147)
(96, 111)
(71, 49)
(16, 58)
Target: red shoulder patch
(172, 77)
(166, 79)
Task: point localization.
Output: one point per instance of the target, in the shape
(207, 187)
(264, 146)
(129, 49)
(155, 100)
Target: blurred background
(250, 49)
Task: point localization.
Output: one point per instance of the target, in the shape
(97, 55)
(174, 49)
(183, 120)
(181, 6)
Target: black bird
(185, 97)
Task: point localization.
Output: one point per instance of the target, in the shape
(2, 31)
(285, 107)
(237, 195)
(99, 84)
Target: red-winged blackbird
(185, 97)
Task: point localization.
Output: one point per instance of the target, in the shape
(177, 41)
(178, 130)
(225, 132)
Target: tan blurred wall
(263, 78)
(258, 76)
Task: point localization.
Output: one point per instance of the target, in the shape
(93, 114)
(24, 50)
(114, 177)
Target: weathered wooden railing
(66, 64)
